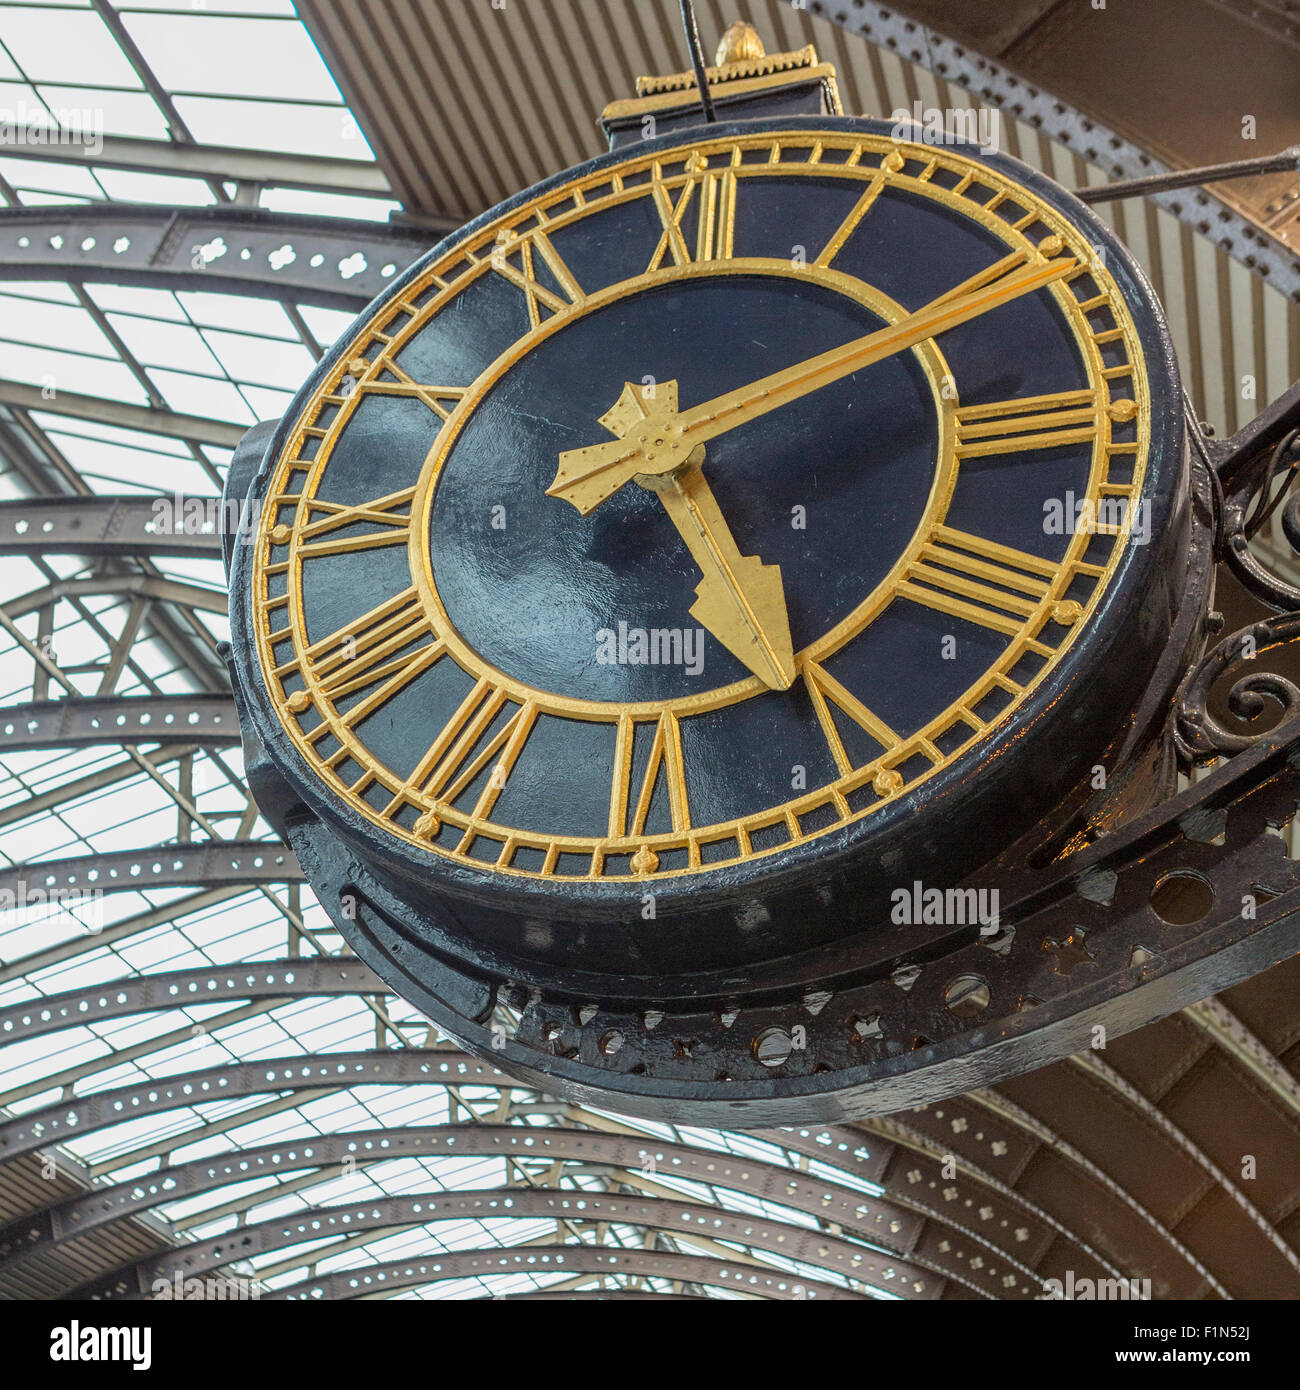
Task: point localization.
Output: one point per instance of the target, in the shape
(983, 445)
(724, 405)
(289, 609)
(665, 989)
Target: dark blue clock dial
(530, 700)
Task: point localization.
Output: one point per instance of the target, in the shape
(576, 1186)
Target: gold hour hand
(740, 600)
(649, 439)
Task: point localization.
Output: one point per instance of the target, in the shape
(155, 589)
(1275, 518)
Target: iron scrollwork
(1252, 474)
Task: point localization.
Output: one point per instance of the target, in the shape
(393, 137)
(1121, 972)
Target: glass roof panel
(106, 111)
(75, 180)
(195, 52)
(252, 7)
(172, 344)
(125, 185)
(275, 125)
(315, 204)
(237, 312)
(63, 46)
(67, 371)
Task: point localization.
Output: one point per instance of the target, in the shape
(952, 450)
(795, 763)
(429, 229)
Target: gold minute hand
(655, 437)
(740, 599)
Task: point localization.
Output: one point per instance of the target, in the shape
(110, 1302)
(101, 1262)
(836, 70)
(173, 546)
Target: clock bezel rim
(792, 863)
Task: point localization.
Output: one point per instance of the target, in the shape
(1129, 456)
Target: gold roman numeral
(825, 690)
(440, 399)
(1031, 422)
(367, 652)
(955, 573)
(362, 653)
(524, 275)
(665, 760)
(391, 513)
(717, 229)
(859, 210)
(715, 236)
(460, 752)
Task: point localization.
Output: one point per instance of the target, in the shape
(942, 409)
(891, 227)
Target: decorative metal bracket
(1252, 473)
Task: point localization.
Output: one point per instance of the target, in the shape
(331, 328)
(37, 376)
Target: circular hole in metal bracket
(1181, 898)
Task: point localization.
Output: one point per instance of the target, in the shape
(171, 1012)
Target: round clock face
(702, 505)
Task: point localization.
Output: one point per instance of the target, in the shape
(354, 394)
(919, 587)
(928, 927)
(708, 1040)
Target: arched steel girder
(103, 1109)
(593, 1295)
(876, 1219)
(401, 1067)
(305, 975)
(733, 1276)
(410, 1210)
(327, 1077)
(989, 82)
(872, 1218)
(37, 1232)
(961, 1146)
(118, 526)
(990, 1215)
(1214, 1018)
(1003, 1141)
(335, 262)
(326, 975)
(203, 864)
(34, 1130)
(79, 721)
(128, 586)
(999, 1108)
(1001, 1223)
(946, 1241)
(1158, 1120)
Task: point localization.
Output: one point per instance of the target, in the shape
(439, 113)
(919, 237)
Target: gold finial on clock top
(740, 44)
(742, 81)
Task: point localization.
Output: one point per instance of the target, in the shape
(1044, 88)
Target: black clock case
(816, 909)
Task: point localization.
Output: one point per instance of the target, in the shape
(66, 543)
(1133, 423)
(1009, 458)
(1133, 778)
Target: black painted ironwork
(196, 864)
(329, 261)
(80, 721)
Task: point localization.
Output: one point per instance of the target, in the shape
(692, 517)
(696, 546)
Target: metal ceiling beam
(128, 586)
(992, 84)
(227, 164)
(83, 721)
(734, 1276)
(1288, 160)
(26, 450)
(1232, 1035)
(400, 1067)
(619, 1151)
(203, 864)
(1152, 1115)
(872, 1218)
(618, 1154)
(571, 1294)
(126, 525)
(176, 989)
(73, 1218)
(996, 1104)
(531, 1142)
(334, 262)
(147, 419)
(832, 1254)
